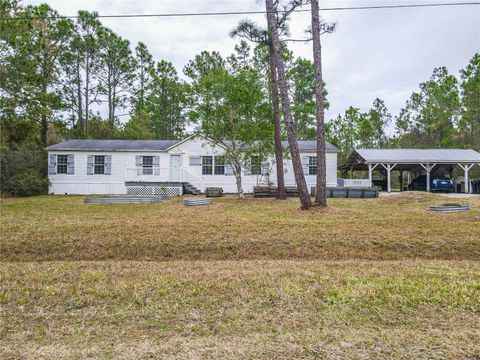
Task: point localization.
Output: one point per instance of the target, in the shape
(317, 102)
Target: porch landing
(169, 188)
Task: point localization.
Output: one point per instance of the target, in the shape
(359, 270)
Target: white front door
(175, 167)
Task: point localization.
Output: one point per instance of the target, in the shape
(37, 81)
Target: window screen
(207, 165)
(312, 165)
(147, 165)
(255, 165)
(62, 163)
(99, 165)
(219, 165)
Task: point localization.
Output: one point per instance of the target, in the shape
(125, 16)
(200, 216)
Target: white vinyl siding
(123, 168)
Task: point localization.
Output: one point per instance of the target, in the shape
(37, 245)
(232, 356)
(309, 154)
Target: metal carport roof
(414, 156)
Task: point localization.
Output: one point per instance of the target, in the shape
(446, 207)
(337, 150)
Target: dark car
(381, 184)
(437, 183)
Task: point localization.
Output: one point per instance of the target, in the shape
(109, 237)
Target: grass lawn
(378, 278)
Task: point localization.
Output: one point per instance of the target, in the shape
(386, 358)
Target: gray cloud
(373, 53)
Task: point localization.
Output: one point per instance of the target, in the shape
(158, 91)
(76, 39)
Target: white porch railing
(141, 173)
(356, 183)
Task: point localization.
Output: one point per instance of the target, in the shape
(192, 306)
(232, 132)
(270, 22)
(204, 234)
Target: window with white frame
(312, 165)
(213, 165)
(147, 165)
(255, 165)
(99, 164)
(219, 168)
(62, 164)
(207, 165)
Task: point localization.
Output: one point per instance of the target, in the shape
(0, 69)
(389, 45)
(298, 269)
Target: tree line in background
(63, 78)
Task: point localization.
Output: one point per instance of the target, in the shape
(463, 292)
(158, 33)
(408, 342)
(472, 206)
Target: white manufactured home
(171, 167)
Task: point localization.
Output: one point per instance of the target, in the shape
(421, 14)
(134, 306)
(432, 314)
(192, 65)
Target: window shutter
(138, 160)
(70, 164)
(247, 171)
(156, 165)
(304, 160)
(228, 170)
(90, 165)
(265, 168)
(108, 164)
(52, 166)
(195, 160)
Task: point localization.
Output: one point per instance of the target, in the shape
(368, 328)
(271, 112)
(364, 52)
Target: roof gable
(311, 146)
(193, 137)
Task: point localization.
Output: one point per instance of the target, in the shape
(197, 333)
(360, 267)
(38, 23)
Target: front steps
(190, 189)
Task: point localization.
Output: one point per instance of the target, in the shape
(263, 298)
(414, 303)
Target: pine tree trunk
(277, 126)
(320, 197)
(44, 117)
(111, 100)
(142, 87)
(112, 97)
(305, 200)
(87, 93)
(114, 101)
(79, 94)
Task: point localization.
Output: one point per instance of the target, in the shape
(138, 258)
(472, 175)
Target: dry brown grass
(247, 309)
(251, 279)
(400, 227)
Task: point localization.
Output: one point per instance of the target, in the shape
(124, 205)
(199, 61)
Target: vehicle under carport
(414, 161)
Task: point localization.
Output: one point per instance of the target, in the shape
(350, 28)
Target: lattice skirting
(154, 190)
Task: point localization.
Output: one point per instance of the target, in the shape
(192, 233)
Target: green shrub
(23, 170)
(27, 183)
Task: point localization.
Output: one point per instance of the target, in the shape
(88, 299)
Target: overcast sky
(373, 53)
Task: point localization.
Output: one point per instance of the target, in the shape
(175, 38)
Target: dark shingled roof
(114, 145)
(152, 145)
(311, 146)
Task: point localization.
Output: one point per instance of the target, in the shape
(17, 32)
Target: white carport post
(389, 168)
(370, 175)
(465, 168)
(428, 168)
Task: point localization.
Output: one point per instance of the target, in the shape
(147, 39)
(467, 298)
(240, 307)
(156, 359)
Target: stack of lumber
(264, 191)
(349, 192)
(291, 191)
(271, 191)
(214, 192)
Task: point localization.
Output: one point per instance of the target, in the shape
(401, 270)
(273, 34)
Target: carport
(413, 160)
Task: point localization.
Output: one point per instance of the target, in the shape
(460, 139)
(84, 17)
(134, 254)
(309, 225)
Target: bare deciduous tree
(252, 32)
